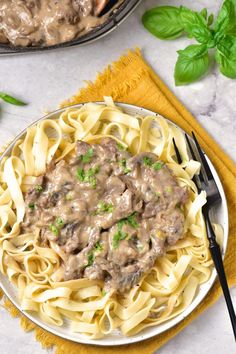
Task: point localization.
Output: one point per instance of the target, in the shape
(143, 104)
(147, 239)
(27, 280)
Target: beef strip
(112, 214)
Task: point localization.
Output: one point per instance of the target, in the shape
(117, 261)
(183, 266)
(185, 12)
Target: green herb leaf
(210, 20)
(121, 147)
(226, 19)
(131, 220)
(147, 161)
(163, 22)
(59, 222)
(226, 56)
(203, 13)
(195, 25)
(80, 174)
(98, 246)
(120, 235)
(12, 100)
(90, 259)
(38, 188)
(105, 207)
(31, 206)
(193, 62)
(88, 176)
(86, 158)
(158, 165)
(123, 165)
(54, 229)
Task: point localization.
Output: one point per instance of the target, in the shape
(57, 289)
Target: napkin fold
(131, 80)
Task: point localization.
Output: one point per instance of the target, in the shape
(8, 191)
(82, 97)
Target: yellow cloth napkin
(131, 80)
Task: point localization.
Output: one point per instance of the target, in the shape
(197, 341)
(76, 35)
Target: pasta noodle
(161, 294)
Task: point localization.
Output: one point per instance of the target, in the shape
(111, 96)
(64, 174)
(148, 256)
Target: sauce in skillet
(48, 22)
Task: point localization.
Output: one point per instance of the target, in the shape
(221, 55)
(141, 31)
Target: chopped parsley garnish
(38, 188)
(131, 220)
(121, 235)
(169, 189)
(104, 207)
(147, 161)
(124, 167)
(157, 165)
(98, 246)
(59, 222)
(69, 196)
(54, 229)
(90, 259)
(80, 174)
(88, 176)
(31, 206)
(56, 226)
(121, 147)
(86, 158)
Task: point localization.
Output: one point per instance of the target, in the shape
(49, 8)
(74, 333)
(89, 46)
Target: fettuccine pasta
(161, 294)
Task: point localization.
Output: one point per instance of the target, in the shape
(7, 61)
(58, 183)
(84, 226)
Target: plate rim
(147, 334)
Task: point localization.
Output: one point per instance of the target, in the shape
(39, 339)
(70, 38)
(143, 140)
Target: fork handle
(217, 259)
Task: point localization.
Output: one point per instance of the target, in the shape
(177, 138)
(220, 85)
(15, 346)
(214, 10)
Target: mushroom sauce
(111, 214)
(48, 22)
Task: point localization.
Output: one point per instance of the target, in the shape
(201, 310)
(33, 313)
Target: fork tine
(177, 153)
(203, 158)
(194, 157)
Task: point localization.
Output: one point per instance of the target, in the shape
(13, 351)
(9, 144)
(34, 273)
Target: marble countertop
(45, 79)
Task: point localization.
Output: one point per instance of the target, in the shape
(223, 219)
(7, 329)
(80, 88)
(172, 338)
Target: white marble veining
(45, 79)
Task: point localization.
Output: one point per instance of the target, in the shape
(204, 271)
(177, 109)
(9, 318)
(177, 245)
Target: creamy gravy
(48, 22)
(109, 214)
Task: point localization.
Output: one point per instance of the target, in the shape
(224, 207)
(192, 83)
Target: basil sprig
(12, 100)
(169, 22)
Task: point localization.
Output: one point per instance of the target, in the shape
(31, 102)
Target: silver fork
(205, 181)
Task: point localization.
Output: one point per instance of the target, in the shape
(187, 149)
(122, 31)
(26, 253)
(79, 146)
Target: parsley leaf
(90, 259)
(120, 235)
(88, 176)
(104, 207)
(98, 246)
(121, 147)
(31, 206)
(157, 166)
(147, 161)
(54, 229)
(38, 188)
(131, 220)
(124, 167)
(59, 222)
(80, 174)
(86, 158)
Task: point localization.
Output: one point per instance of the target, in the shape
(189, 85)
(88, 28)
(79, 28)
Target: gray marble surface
(46, 79)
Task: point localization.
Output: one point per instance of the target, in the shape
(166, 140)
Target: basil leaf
(12, 100)
(226, 56)
(203, 13)
(193, 62)
(195, 25)
(226, 19)
(163, 22)
(210, 20)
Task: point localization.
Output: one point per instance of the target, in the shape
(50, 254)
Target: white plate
(219, 215)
